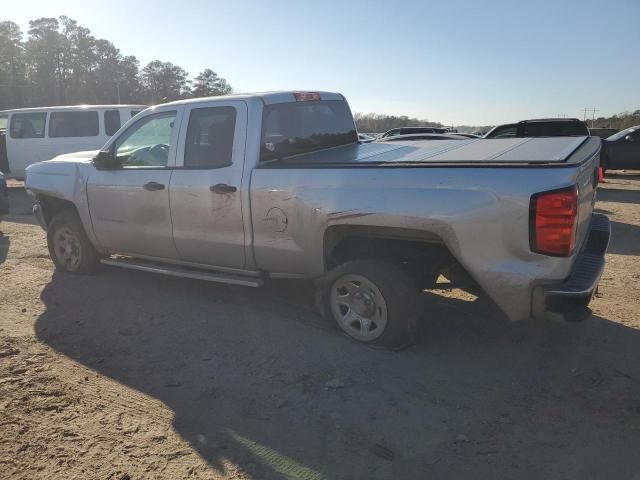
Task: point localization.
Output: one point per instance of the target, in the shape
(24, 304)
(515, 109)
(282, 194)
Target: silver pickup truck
(240, 188)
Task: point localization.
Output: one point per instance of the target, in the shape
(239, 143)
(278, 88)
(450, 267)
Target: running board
(183, 272)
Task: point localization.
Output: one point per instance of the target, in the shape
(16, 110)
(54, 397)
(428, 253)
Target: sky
(460, 62)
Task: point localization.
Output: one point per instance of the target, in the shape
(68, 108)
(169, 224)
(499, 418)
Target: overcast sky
(461, 62)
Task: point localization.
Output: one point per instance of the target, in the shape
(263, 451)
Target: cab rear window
(554, 129)
(302, 127)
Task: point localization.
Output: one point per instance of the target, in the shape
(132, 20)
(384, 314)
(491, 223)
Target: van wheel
(373, 302)
(69, 247)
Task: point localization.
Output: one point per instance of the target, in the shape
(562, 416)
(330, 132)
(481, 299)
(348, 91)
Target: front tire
(69, 246)
(373, 302)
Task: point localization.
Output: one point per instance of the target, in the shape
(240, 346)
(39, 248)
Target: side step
(183, 272)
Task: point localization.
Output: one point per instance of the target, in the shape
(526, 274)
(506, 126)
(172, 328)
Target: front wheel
(69, 247)
(373, 302)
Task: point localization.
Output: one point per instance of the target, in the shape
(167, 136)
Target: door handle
(152, 186)
(223, 188)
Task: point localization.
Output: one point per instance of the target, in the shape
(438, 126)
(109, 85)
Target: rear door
(205, 194)
(129, 205)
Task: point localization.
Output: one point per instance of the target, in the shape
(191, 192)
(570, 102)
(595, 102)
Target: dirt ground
(127, 375)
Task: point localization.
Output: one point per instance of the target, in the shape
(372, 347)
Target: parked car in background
(603, 132)
(411, 130)
(423, 136)
(4, 195)
(236, 189)
(467, 135)
(4, 164)
(543, 127)
(36, 134)
(365, 138)
(622, 150)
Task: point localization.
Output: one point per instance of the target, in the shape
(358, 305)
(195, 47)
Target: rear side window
(79, 123)
(302, 127)
(111, 121)
(27, 125)
(210, 137)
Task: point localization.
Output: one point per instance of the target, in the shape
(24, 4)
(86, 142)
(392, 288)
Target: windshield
(622, 134)
(303, 127)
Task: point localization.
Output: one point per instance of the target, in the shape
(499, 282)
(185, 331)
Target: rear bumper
(570, 299)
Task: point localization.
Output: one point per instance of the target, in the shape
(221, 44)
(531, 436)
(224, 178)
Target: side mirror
(628, 138)
(105, 160)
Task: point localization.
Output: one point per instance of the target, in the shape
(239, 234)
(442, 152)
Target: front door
(205, 192)
(129, 205)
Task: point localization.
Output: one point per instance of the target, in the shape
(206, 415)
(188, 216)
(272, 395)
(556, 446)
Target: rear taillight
(553, 221)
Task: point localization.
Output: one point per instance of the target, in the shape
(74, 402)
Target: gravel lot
(130, 375)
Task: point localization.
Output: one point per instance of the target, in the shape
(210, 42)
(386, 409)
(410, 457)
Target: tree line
(62, 63)
(379, 122)
(619, 121)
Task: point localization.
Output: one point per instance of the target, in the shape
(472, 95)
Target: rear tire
(69, 246)
(373, 302)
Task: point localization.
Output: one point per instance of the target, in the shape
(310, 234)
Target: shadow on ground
(244, 371)
(619, 195)
(4, 246)
(625, 238)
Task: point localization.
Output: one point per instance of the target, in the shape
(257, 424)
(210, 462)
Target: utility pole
(593, 118)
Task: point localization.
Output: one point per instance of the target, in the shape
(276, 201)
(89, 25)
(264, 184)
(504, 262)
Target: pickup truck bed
(476, 152)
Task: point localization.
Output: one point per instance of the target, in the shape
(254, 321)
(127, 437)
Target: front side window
(111, 121)
(210, 137)
(391, 133)
(295, 128)
(27, 125)
(147, 142)
(507, 131)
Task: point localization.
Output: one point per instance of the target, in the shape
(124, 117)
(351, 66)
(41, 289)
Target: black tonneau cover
(477, 152)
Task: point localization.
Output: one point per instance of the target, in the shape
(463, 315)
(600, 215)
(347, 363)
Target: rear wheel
(373, 302)
(69, 247)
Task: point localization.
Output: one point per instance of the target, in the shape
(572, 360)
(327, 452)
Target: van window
(80, 123)
(111, 121)
(210, 137)
(27, 125)
(135, 112)
(3, 122)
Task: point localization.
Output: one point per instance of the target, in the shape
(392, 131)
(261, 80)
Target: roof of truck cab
(283, 96)
(72, 107)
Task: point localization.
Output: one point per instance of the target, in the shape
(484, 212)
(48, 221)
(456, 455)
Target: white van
(37, 134)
